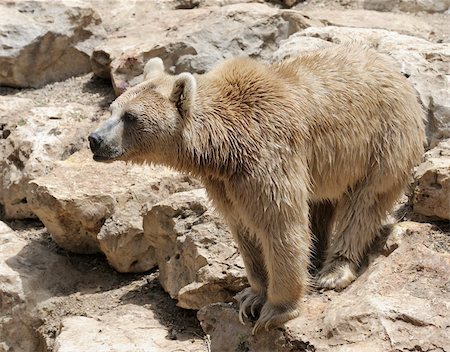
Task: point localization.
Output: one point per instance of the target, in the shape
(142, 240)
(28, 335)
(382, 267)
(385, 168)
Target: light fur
(323, 142)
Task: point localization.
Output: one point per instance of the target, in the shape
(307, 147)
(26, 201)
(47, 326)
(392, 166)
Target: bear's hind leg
(358, 219)
(252, 298)
(321, 218)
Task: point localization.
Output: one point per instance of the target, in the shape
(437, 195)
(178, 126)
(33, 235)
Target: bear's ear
(153, 67)
(183, 92)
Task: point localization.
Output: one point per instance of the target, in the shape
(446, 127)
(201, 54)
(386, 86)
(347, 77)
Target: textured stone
(16, 331)
(400, 303)
(42, 42)
(358, 18)
(194, 40)
(197, 258)
(407, 5)
(110, 333)
(88, 206)
(51, 300)
(432, 187)
(33, 138)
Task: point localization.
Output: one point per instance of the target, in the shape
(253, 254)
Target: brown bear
(314, 148)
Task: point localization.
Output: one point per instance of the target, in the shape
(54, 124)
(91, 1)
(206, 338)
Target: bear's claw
(249, 299)
(272, 316)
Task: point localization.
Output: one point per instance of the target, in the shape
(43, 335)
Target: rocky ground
(122, 257)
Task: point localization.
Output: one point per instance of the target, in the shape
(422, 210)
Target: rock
(194, 40)
(358, 18)
(432, 187)
(407, 5)
(120, 331)
(399, 303)
(16, 331)
(426, 65)
(89, 206)
(197, 258)
(48, 294)
(33, 138)
(286, 3)
(12, 110)
(45, 42)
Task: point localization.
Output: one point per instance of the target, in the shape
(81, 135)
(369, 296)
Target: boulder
(16, 322)
(129, 328)
(359, 18)
(197, 259)
(194, 40)
(399, 303)
(51, 300)
(42, 42)
(89, 207)
(426, 65)
(431, 6)
(431, 196)
(33, 137)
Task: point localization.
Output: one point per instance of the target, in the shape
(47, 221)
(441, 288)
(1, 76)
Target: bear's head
(146, 121)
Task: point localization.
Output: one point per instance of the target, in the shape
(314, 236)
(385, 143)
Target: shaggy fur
(323, 142)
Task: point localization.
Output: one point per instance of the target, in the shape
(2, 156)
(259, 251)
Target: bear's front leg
(286, 256)
(252, 298)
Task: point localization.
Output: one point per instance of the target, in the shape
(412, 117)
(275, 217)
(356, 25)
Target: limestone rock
(46, 293)
(89, 206)
(359, 18)
(33, 138)
(426, 65)
(16, 331)
(197, 258)
(194, 40)
(120, 331)
(432, 188)
(400, 303)
(407, 5)
(42, 42)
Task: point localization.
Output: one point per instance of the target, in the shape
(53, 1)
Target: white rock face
(16, 331)
(54, 301)
(400, 302)
(432, 188)
(193, 41)
(359, 18)
(120, 331)
(33, 138)
(89, 206)
(42, 42)
(197, 258)
(407, 5)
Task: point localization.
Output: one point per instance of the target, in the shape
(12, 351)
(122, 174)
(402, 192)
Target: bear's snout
(95, 140)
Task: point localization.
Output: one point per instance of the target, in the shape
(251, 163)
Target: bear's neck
(210, 144)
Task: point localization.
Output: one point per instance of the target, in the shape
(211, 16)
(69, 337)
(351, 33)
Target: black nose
(94, 141)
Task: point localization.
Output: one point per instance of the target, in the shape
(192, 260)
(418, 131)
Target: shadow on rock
(101, 87)
(181, 323)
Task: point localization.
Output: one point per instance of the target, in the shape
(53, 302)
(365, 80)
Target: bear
(310, 151)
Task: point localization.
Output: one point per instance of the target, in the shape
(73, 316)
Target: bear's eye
(129, 116)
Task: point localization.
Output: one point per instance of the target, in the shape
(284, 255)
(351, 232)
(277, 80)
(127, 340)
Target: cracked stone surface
(400, 303)
(197, 258)
(432, 186)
